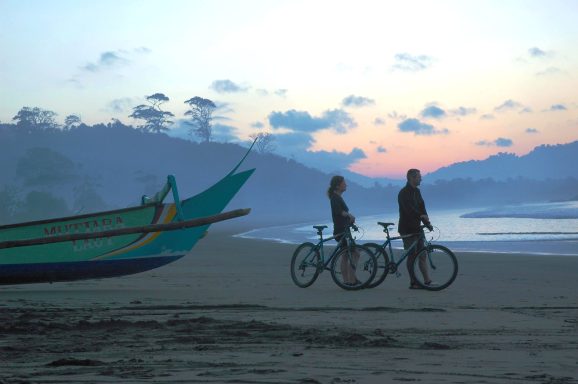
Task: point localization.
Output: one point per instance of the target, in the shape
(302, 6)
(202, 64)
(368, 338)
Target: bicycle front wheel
(305, 265)
(434, 268)
(382, 260)
(353, 268)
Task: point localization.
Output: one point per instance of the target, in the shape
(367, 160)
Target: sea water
(546, 228)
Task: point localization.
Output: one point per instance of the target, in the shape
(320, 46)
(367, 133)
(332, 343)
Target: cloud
(339, 120)
(499, 142)
(257, 124)
(508, 105)
(526, 110)
(410, 63)
(297, 120)
(487, 116)
(143, 50)
(381, 149)
(357, 101)
(433, 112)
(293, 142)
(295, 145)
(331, 161)
(106, 60)
(503, 142)
(531, 130)
(227, 86)
(537, 52)
(558, 107)
(75, 82)
(280, 92)
(394, 115)
(419, 128)
(223, 107)
(277, 92)
(114, 59)
(463, 111)
(303, 121)
(549, 71)
(378, 121)
(121, 105)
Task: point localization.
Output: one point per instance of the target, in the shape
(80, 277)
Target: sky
(376, 87)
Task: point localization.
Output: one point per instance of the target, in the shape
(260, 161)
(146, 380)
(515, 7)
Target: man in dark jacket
(412, 213)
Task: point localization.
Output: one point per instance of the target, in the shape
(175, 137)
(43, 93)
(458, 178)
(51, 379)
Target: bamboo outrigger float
(119, 242)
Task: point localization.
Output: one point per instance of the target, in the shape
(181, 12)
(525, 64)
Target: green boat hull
(114, 255)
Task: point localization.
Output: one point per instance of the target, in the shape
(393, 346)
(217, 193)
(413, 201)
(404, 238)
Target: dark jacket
(411, 207)
(340, 222)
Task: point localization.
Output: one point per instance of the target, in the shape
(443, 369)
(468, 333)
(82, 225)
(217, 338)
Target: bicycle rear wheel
(305, 265)
(382, 260)
(353, 268)
(439, 264)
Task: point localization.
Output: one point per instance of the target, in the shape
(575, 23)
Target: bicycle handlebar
(428, 226)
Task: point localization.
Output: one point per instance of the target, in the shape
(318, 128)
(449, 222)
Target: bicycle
(442, 263)
(308, 262)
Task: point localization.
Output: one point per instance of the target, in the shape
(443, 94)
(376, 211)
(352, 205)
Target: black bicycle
(353, 266)
(434, 268)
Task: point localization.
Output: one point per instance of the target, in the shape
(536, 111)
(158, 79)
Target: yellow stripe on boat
(169, 212)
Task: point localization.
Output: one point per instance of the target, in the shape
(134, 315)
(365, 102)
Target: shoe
(415, 286)
(354, 284)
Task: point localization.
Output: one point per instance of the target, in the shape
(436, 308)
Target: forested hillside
(54, 172)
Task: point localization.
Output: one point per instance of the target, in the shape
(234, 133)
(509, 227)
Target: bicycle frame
(431, 266)
(407, 252)
(352, 266)
(320, 246)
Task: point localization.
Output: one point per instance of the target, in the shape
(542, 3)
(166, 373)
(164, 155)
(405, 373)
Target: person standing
(342, 219)
(412, 213)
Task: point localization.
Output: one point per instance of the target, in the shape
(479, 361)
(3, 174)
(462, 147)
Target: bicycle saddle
(385, 225)
(320, 227)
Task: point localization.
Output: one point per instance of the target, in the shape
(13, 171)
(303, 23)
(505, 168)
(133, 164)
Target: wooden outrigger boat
(118, 242)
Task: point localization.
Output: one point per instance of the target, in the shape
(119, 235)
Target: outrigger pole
(198, 222)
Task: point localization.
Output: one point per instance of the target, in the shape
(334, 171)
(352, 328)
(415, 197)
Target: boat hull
(80, 270)
(114, 255)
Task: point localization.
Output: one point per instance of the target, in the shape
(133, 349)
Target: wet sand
(229, 313)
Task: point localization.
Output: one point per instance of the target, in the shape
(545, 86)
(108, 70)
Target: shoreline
(561, 247)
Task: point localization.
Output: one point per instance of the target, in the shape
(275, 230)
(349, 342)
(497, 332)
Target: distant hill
(542, 163)
(114, 165)
(369, 182)
(50, 173)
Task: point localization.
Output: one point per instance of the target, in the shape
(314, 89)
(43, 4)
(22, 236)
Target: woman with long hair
(342, 219)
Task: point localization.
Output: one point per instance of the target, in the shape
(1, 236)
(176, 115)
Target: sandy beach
(229, 313)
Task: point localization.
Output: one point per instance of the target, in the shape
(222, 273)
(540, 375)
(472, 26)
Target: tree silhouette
(72, 121)
(42, 205)
(44, 167)
(201, 113)
(35, 119)
(156, 120)
(264, 143)
(86, 197)
(10, 204)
